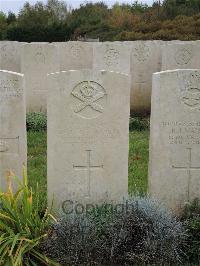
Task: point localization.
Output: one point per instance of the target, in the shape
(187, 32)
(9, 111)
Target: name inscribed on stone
(9, 89)
(182, 133)
(9, 145)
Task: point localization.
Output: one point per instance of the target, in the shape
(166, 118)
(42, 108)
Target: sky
(15, 5)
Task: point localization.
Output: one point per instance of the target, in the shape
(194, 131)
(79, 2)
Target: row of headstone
(88, 113)
(88, 132)
(140, 59)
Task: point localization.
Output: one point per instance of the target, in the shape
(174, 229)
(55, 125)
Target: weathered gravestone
(174, 172)
(181, 55)
(74, 55)
(145, 60)
(38, 59)
(12, 125)
(10, 53)
(112, 56)
(88, 124)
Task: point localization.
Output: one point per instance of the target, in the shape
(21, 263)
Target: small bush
(22, 226)
(145, 234)
(139, 123)
(36, 121)
(191, 219)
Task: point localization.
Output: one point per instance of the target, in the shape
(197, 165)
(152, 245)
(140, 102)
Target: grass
(138, 162)
(37, 163)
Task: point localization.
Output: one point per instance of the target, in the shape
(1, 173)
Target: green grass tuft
(37, 163)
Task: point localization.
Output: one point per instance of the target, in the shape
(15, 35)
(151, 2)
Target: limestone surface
(38, 60)
(88, 132)
(174, 168)
(13, 144)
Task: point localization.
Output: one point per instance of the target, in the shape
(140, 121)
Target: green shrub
(22, 226)
(36, 121)
(139, 123)
(145, 234)
(191, 218)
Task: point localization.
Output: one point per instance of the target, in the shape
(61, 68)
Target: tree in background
(56, 21)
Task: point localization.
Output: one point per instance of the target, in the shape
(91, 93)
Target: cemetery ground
(138, 172)
(145, 235)
(138, 158)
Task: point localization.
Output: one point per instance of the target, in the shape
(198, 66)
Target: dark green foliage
(145, 233)
(191, 219)
(55, 21)
(36, 121)
(139, 123)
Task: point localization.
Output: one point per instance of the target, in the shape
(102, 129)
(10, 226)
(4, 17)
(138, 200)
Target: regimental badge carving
(112, 57)
(141, 52)
(39, 56)
(76, 51)
(3, 146)
(183, 56)
(190, 89)
(89, 99)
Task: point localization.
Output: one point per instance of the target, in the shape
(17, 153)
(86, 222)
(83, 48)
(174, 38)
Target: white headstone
(88, 124)
(38, 60)
(174, 172)
(145, 60)
(112, 56)
(10, 53)
(74, 55)
(185, 55)
(13, 145)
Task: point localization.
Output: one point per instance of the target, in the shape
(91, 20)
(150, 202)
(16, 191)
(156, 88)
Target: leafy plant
(139, 123)
(22, 226)
(36, 121)
(145, 233)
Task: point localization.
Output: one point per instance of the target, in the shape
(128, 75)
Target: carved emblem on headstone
(112, 57)
(183, 56)
(190, 90)
(76, 51)
(3, 146)
(90, 98)
(141, 52)
(39, 56)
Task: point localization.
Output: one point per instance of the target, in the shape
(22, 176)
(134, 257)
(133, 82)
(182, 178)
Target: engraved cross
(88, 167)
(189, 168)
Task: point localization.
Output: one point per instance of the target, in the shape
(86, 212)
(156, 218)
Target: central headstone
(12, 125)
(88, 114)
(174, 173)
